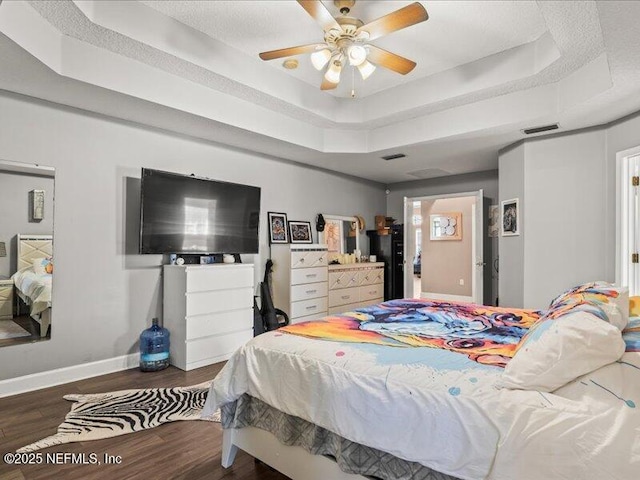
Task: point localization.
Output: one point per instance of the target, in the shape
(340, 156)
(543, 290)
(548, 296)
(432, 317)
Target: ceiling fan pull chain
(353, 82)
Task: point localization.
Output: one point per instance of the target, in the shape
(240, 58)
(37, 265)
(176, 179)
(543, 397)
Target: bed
(370, 396)
(34, 287)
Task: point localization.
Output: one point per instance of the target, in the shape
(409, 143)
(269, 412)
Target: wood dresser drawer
(371, 292)
(301, 276)
(304, 308)
(343, 296)
(308, 291)
(309, 258)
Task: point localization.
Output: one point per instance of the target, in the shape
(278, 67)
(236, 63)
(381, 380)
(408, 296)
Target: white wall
(569, 182)
(104, 296)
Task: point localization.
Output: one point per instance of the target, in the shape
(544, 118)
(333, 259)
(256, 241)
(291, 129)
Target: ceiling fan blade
(319, 12)
(403, 18)
(327, 85)
(288, 52)
(390, 60)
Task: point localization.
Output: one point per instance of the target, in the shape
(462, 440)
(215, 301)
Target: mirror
(26, 252)
(341, 234)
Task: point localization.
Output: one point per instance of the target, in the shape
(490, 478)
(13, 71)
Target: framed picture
(510, 218)
(278, 227)
(333, 236)
(300, 232)
(445, 226)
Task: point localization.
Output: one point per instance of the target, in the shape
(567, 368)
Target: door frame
(477, 244)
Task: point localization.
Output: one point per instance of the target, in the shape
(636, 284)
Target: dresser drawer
(6, 300)
(218, 323)
(216, 346)
(221, 277)
(200, 303)
(372, 276)
(304, 308)
(343, 308)
(343, 279)
(343, 296)
(308, 275)
(308, 291)
(371, 292)
(306, 259)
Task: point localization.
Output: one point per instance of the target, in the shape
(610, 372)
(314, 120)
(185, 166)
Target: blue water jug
(154, 348)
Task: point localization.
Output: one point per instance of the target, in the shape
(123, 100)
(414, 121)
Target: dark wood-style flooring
(181, 450)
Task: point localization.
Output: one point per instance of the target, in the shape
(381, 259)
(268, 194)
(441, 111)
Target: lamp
(320, 58)
(333, 72)
(366, 68)
(357, 55)
(3, 249)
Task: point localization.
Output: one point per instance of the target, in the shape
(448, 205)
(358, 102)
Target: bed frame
(31, 247)
(292, 461)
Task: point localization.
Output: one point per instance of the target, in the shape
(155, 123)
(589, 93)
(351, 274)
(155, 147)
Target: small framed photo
(300, 232)
(278, 227)
(510, 218)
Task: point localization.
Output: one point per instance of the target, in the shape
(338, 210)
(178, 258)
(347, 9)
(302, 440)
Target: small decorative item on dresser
(278, 227)
(300, 232)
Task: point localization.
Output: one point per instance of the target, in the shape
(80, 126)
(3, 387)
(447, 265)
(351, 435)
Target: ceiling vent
(429, 173)
(545, 128)
(394, 156)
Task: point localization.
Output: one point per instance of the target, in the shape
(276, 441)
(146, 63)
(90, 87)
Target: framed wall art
(510, 217)
(445, 226)
(278, 227)
(300, 232)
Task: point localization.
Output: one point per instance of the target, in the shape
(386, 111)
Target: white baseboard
(444, 296)
(50, 378)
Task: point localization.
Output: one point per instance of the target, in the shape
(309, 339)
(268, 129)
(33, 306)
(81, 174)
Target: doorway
(443, 242)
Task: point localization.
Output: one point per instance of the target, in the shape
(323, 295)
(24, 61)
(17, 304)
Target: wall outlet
(462, 281)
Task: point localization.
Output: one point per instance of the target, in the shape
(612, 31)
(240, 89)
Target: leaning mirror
(26, 252)
(341, 234)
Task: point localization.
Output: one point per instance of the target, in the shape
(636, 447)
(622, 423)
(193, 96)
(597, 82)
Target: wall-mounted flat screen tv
(192, 215)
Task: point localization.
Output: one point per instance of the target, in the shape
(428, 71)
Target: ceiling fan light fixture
(320, 58)
(357, 55)
(366, 68)
(333, 72)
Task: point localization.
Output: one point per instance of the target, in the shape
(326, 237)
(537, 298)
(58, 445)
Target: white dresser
(208, 310)
(355, 285)
(300, 280)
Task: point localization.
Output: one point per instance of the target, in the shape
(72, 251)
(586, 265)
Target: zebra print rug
(105, 415)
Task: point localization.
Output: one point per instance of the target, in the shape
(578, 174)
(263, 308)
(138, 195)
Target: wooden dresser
(208, 310)
(355, 285)
(300, 280)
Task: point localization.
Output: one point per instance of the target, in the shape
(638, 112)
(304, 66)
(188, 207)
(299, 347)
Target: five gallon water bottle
(154, 348)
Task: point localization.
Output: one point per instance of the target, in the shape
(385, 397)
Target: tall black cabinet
(390, 250)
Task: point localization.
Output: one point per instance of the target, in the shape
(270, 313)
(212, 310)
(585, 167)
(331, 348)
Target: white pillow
(555, 352)
(42, 266)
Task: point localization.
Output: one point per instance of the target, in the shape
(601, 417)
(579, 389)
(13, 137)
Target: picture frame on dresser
(278, 227)
(300, 232)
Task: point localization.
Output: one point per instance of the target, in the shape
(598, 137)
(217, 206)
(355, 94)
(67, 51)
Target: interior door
(477, 256)
(409, 248)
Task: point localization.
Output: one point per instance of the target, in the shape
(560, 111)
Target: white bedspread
(441, 409)
(37, 289)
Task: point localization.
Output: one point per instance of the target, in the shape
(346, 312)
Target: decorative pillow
(634, 306)
(555, 352)
(43, 266)
(612, 302)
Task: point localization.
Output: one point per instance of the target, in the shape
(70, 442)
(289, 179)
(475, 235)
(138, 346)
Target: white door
(409, 249)
(477, 256)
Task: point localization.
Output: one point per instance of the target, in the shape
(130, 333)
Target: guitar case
(267, 317)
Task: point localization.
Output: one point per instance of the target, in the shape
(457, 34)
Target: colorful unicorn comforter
(417, 379)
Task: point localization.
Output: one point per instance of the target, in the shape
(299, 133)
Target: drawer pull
(338, 281)
(321, 259)
(311, 291)
(311, 275)
(372, 292)
(345, 297)
(312, 307)
(366, 278)
(302, 260)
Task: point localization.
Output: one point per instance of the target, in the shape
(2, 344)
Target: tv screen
(187, 214)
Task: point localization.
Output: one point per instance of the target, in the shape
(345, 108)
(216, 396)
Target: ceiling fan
(346, 41)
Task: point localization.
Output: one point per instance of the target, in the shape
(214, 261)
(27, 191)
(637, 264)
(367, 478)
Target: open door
(428, 269)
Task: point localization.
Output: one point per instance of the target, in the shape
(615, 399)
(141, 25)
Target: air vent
(545, 128)
(394, 156)
(429, 173)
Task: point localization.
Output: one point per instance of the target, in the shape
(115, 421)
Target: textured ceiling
(452, 119)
